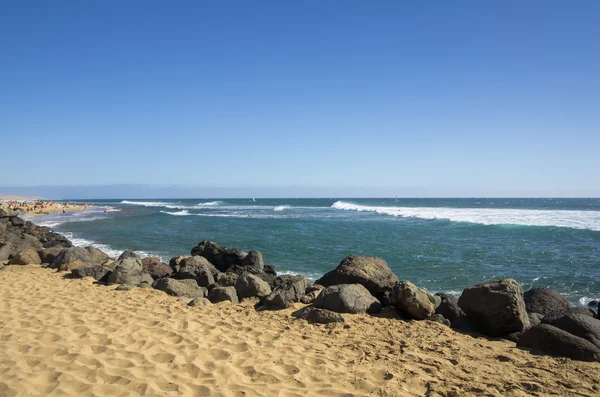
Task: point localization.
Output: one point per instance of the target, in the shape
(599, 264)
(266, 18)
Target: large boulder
(19, 241)
(314, 315)
(450, 310)
(581, 325)
(155, 268)
(187, 287)
(546, 302)
(348, 298)
(175, 262)
(47, 255)
(4, 252)
(311, 294)
(197, 268)
(253, 262)
(129, 271)
(227, 279)
(99, 272)
(129, 254)
(221, 294)
(89, 255)
(412, 301)
(288, 290)
(27, 257)
(371, 272)
(17, 221)
(249, 285)
(552, 340)
(221, 257)
(495, 308)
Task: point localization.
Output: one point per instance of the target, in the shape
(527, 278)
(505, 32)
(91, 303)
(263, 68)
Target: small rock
(200, 302)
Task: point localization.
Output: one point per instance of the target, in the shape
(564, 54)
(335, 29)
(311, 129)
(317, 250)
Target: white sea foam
(110, 251)
(178, 213)
(487, 216)
(146, 203)
(310, 276)
(210, 204)
(583, 301)
(281, 208)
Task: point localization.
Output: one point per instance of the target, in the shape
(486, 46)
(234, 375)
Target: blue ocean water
(438, 244)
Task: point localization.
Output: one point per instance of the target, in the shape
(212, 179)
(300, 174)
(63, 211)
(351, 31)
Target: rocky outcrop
(221, 257)
(347, 298)
(186, 287)
(48, 255)
(227, 279)
(555, 341)
(155, 268)
(585, 327)
(412, 301)
(495, 308)
(288, 290)
(129, 271)
(315, 315)
(250, 285)
(221, 294)
(546, 302)
(90, 255)
(449, 309)
(197, 268)
(371, 272)
(99, 273)
(129, 254)
(253, 262)
(27, 257)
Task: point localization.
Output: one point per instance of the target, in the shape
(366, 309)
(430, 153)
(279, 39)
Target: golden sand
(71, 337)
(53, 208)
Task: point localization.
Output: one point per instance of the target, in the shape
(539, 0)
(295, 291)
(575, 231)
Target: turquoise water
(439, 244)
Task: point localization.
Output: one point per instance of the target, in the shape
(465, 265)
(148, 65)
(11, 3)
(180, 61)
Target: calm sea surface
(438, 244)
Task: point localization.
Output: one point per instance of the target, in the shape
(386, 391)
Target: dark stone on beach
(270, 269)
(48, 255)
(128, 271)
(348, 298)
(534, 319)
(221, 294)
(315, 315)
(125, 287)
(412, 301)
(312, 293)
(18, 241)
(495, 308)
(449, 309)
(69, 266)
(250, 285)
(546, 302)
(593, 304)
(572, 310)
(253, 262)
(581, 325)
(289, 290)
(227, 279)
(5, 252)
(371, 272)
(438, 318)
(98, 273)
(17, 221)
(187, 287)
(197, 268)
(220, 256)
(27, 257)
(90, 255)
(155, 268)
(129, 254)
(555, 341)
(175, 262)
(199, 302)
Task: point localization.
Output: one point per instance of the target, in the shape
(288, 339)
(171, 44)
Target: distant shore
(34, 206)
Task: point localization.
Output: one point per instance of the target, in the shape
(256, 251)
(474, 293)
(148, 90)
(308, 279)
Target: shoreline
(31, 210)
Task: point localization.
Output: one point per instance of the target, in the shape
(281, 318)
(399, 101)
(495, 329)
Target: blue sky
(422, 98)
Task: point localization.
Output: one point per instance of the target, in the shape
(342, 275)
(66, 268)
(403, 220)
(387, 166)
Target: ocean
(438, 244)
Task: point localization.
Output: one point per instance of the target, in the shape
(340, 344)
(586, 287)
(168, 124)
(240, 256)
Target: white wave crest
(146, 203)
(209, 204)
(281, 208)
(487, 216)
(110, 251)
(178, 213)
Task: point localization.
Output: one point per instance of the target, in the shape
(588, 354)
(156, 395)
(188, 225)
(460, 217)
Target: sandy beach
(48, 208)
(71, 337)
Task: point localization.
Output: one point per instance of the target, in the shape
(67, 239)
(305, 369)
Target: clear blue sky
(442, 98)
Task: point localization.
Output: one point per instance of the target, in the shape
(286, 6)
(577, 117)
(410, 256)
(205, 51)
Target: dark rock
(70, 266)
(535, 318)
(155, 268)
(90, 255)
(17, 221)
(128, 271)
(227, 279)
(221, 257)
(175, 262)
(253, 262)
(371, 272)
(289, 289)
(5, 252)
(348, 298)
(18, 241)
(438, 318)
(270, 269)
(129, 254)
(546, 302)
(314, 315)
(27, 257)
(593, 304)
(220, 294)
(124, 287)
(250, 285)
(585, 327)
(186, 287)
(268, 278)
(48, 255)
(311, 294)
(450, 310)
(552, 340)
(495, 308)
(412, 301)
(572, 310)
(197, 268)
(99, 273)
(199, 302)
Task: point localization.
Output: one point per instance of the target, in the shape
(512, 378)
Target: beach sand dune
(70, 337)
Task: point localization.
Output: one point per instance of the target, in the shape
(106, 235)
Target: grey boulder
(220, 256)
(412, 301)
(129, 271)
(186, 287)
(552, 340)
(315, 315)
(221, 294)
(546, 302)
(249, 285)
(288, 290)
(348, 298)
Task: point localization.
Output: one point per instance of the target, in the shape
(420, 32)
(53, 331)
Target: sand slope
(62, 337)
